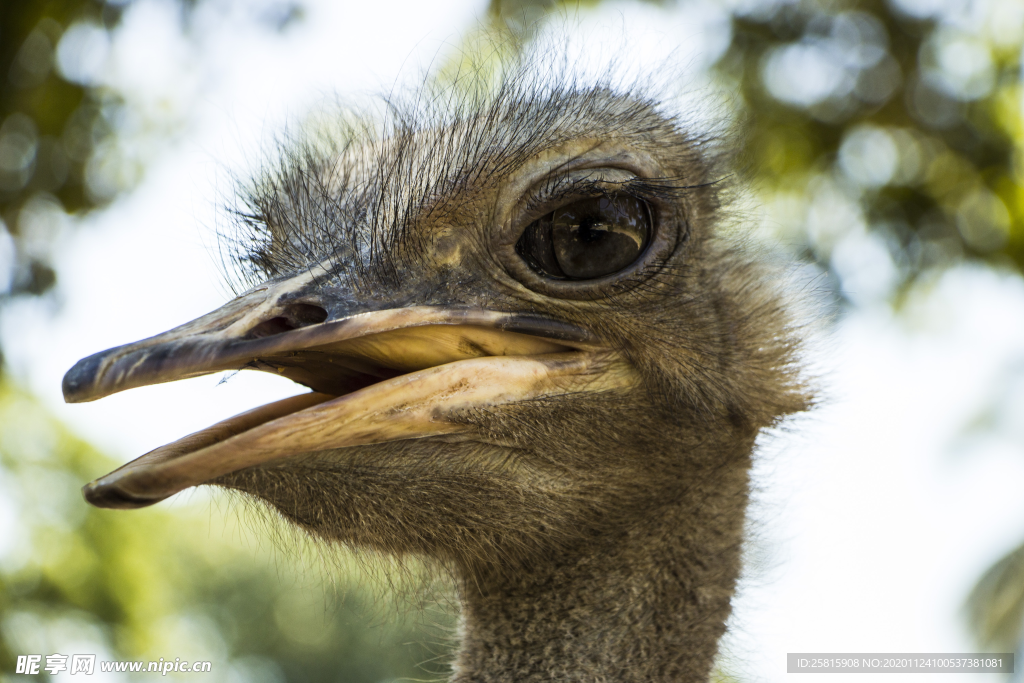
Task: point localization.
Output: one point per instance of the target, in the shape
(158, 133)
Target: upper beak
(378, 376)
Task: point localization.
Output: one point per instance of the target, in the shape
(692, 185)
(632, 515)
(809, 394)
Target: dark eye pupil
(587, 239)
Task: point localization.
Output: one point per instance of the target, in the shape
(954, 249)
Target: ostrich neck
(647, 605)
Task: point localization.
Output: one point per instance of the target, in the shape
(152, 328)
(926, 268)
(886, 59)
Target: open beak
(379, 376)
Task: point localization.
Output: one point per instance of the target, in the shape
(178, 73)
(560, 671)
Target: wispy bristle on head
(338, 197)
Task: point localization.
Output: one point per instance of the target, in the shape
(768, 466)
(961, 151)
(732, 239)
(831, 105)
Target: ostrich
(536, 355)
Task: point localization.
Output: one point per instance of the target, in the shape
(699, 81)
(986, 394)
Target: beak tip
(80, 378)
(107, 495)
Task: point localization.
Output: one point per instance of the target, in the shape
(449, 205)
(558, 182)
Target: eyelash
(542, 199)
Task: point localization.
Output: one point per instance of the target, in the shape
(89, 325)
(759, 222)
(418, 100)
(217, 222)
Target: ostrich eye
(587, 239)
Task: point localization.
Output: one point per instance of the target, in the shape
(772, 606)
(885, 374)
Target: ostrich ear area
(373, 382)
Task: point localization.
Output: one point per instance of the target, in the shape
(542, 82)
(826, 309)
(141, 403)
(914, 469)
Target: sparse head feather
(349, 188)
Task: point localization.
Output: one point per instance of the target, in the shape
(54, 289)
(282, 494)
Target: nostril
(295, 316)
(305, 314)
(269, 328)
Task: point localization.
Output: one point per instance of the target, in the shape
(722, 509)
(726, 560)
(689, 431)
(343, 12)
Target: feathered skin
(595, 533)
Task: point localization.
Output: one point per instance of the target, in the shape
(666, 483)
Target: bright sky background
(877, 512)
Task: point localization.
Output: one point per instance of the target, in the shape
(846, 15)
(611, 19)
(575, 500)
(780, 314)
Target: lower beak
(381, 376)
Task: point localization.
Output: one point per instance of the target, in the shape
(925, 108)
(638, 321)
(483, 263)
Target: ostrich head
(534, 357)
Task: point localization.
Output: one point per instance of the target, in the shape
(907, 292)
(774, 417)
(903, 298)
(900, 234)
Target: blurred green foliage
(51, 126)
(887, 139)
(174, 583)
(70, 142)
(910, 112)
(996, 605)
